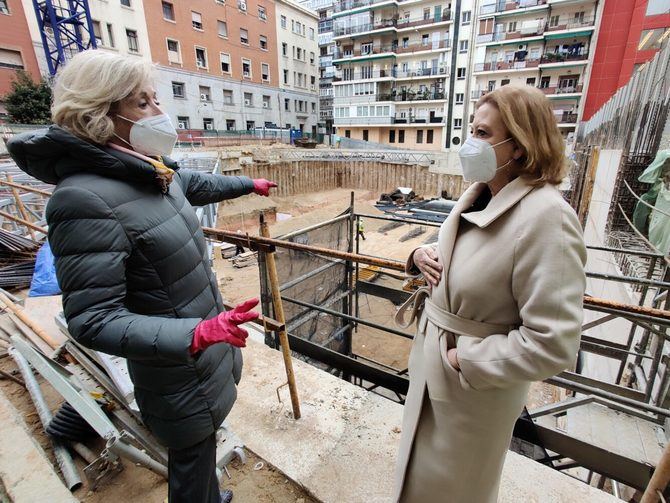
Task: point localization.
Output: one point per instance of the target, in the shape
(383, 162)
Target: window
(312, 81)
(426, 14)
(133, 44)
(365, 135)
(265, 72)
(225, 62)
(458, 123)
(266, 101)
(168, 11)
(96, 33)
(544, 82)
(491, 85)
(11, 59)
(553, 20)
(244, 36)
(4, 9)
(284, 49)
(228, 97)
(466, 16)
(110, 34)
(287, 104)
(207, 123)
(264, 42)
(419, 135)
(401, 136)
(313, 107)
(429, 136)
(251, 125)
(312, 58)
(460, 73)
(392, 136)
(246, 68)
(174, 55)
(283, 22)
(311, 33)
(347, 133)
(511, 27)
(459, 98)
(299, 53)
(125, 3)
(425, 39)
(183, 123)
(200, 57)
(530, 81)
(230, 124)
(242, 5)
(463, 46)
(285, 76)
(223, 29)
(205, 93)
(262, 14)
(504, 82)
(178, 89)
(196, 20)
(248, 99)
(221, 2)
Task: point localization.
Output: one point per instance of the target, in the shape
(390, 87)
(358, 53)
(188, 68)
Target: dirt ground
(238, 285)
(250, 482)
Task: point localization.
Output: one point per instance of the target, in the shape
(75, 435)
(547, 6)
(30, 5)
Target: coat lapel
(447, 238)
(504, 200)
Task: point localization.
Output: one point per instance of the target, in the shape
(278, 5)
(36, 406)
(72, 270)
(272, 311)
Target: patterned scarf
(162, 174)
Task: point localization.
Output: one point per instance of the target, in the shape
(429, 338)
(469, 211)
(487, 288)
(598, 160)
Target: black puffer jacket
(136, 280)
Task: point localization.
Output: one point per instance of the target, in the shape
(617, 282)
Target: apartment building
(16, 47)
(543, 43)
(324, 10)
(118, 26)
(298, 62)
(631, 34)
(397, 63)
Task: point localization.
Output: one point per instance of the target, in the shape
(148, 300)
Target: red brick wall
(14, 35)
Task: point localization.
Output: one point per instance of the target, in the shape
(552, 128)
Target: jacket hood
(52, 154)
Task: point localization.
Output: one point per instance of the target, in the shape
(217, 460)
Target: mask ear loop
(124, 141)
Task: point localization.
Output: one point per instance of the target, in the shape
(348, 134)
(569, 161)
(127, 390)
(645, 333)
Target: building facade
(16, 46)
(631, 33)
(398, 64)
(298, 62)
(543, 43)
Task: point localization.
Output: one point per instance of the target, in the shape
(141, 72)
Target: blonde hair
(91, 84)
(529, 118)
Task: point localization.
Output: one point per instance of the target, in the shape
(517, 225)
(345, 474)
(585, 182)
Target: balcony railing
(343, 5)
(527, 31)
(423, 72)
(416, 96)
(492, 8)
(570, 23)
(325, 61)
(561, 89)
(363, 75)
(565, 117)
(560, 57)
(506, 65)
(325, 26)
(353, 53)
(391, 23)
(423, 46)
(398, 119)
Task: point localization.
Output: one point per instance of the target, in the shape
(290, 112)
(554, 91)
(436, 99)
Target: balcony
(494, 66)
(347, 76)
(325, 61)
(571, 23)
(343, 5)
(562, 89)
(534, 30)
(404, 96)
(429, 46)
(363, 28)
(565, 117)
(422, 72)
(361, 51)
(399, 119)
(414, 22)
(565, 57)
(496, 7)
(352, 121)
(325, 26)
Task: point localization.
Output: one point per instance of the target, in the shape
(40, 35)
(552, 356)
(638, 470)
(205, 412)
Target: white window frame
(250, 76)
(230, 63)
(268, 72)
(219, 23)
(246, 30)
(262, 13)
(195, 14)
(167, 47)
(260, 42)
(195, 52)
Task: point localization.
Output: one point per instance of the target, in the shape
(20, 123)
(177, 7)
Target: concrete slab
(344, 446)
(25, 471)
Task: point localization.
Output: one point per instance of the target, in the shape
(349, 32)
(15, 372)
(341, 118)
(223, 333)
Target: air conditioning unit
(181, 125)
(208, 126)
(200, 64)
(247, 103)
(266, 104)
(204, 97)
(247, 74)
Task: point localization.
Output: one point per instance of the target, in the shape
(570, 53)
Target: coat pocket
(440, 380)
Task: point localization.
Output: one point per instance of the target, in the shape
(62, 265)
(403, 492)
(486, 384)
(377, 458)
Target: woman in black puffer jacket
(131, 258)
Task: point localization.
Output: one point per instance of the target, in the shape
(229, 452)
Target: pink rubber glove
(262, 186)
(224, 328)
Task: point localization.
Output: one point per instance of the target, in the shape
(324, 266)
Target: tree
(28, 102)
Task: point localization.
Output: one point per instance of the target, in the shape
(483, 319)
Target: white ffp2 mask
(152, 135)
(478, 160)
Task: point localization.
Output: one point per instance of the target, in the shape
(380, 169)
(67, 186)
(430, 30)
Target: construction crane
(66, 29)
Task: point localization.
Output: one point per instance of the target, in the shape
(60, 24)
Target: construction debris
(417, 231)
(245, 259)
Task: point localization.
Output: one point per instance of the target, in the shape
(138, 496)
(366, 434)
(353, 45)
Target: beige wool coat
(510, 301)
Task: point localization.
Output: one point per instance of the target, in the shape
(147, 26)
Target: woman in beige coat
(504, 306)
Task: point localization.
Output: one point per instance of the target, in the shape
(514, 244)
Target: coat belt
(420, 303)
